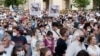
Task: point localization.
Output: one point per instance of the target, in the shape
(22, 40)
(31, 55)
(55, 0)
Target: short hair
(90, 38)
(7, 36)
(86, 25)
(16, 28)
(55, 24)
(82, 53)
(63, 31)
(49, 33)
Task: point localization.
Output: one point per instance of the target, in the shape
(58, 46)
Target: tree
(97, 3)
(1, 2)
(7, 3)
(81, 4)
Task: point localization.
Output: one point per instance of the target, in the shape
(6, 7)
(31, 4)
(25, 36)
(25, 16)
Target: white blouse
(95, 52)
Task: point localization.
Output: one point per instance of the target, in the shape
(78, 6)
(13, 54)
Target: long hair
(16, 47)
(43, 51)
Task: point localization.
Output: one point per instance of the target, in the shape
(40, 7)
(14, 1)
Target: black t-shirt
(19, 40)
(61, 47)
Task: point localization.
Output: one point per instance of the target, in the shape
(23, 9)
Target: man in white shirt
(76, 45)
(55, 30)
(8, 44)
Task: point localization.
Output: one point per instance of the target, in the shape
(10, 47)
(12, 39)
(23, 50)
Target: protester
(37, 31)
(8, 44)
(61, 43)
(29, 28)
(77, 44)
(17, 37)
(93, 49)
(55, 30)
(49, 41)
(18, 50)
(34, 40)
(98, 35)
(45, 52)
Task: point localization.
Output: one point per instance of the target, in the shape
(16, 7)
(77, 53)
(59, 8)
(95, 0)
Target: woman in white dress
(93, 49)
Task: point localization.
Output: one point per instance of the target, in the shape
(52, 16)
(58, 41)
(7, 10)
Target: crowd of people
(76, 33)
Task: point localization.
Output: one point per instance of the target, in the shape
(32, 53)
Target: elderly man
(77, 44)
(8, 44)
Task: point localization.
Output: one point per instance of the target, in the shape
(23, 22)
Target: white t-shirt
(95, 52)
(56, 34)
(35, 54)
(33, 42)
(74, 48)
(9, 50)
(28, 38)
(33, 45)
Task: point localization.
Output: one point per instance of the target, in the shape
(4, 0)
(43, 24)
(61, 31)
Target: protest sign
(54, 11)
(35, 9)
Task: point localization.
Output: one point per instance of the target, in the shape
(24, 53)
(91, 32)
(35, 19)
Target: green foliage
(7, 3)
(97, 2)
(1, 2)
(81, 3)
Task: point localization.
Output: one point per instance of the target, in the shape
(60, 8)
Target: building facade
(63, 4)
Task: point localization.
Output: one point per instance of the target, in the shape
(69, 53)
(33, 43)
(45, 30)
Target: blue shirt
(19, 40)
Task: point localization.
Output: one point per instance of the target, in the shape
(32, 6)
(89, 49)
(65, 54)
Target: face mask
(47, 28)
(21, 53)
(81, 39)
(14, 34)
(80, 27)
(10, 28)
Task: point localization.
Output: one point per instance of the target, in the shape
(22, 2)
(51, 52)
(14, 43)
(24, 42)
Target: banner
(35, 9)
(54, 11)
